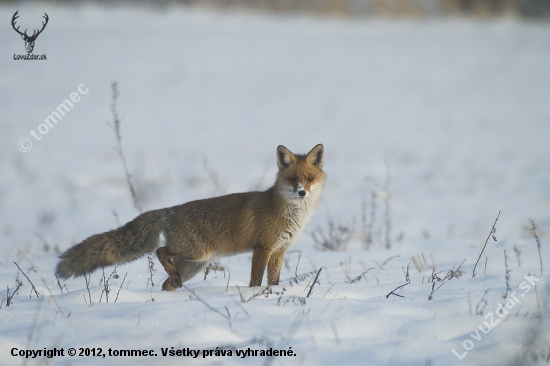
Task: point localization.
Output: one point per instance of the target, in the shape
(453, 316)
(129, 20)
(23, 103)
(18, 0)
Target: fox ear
(284, 157)
(316, 155)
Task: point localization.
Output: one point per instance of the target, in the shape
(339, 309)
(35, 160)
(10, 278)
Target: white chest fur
(297, 214)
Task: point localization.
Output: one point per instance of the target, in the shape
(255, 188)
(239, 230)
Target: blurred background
(365, 8)
(360, 8)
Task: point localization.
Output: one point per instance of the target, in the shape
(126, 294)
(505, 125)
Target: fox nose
(302, 193)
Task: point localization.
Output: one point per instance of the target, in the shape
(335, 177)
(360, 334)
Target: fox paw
(167, 286)
(172, 283)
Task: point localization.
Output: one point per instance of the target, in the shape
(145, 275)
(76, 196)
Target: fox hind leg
(179, 269)
(164, 254)
(187, 269)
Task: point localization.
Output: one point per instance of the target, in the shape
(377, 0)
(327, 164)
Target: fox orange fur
(266, 223)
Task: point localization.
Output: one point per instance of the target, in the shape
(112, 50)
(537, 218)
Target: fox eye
(309, 178)
(292, 180)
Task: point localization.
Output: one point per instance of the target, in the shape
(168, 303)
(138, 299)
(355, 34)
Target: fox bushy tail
(122, 245)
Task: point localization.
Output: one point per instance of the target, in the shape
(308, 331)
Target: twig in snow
(479, 308)
(152, 270)
(455, 273)
(397, 288)
(120, 288)
(493, 230)
(243, 300)
(538, 244)
(346, 266)
(518, 253)
(538, 299)
(226, 317)
(314, 281)
(451, 274)
(10, 297)
(431, 296)
(387, 218)
(33, 288)
(508, 288)
(330, 288)
(116, 127)
(386, 261)
(267, 291)
(406, 273)
(358, 278)
(296, 300)
(204, 302)
(59, 284)
(106, 288)
(87, 279)
(239, 305)
(299, 278)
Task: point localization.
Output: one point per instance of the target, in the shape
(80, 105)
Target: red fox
(265, 223)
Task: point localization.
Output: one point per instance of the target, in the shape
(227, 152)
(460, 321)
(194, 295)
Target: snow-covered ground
(446, 122)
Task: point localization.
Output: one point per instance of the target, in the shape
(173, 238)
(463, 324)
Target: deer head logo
(29, 40)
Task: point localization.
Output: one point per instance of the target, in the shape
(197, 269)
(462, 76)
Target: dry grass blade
(397, 288)
(204, 302)
(538, 243)
(116, 127)
(9, 297)
(314, 281)
(493, 230)
(33, 288)
(120, 288)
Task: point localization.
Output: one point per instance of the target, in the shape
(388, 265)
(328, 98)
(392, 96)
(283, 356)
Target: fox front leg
(274, 266)
(260, 257)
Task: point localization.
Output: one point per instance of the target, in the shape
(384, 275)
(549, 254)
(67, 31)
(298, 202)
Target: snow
(448, 119)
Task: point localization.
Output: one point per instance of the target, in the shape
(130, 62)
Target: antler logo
(29, 40)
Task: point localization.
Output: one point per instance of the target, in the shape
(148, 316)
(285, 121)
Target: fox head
(300, 176)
